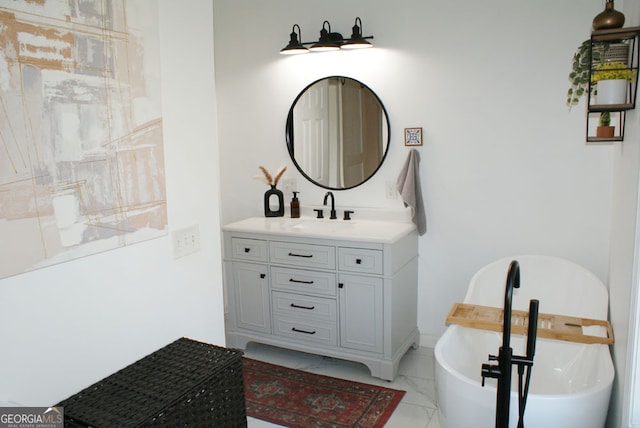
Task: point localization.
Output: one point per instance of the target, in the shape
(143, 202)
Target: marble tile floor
(415, 375)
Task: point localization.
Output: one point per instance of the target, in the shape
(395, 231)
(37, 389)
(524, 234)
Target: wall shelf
(615, 45)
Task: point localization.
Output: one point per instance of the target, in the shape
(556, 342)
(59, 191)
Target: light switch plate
(390, 190)
(186, 241)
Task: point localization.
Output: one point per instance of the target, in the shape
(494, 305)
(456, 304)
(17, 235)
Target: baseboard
(428, 340)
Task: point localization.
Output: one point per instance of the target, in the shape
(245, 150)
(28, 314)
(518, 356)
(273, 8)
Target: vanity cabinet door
(361, 314)
(252, 297)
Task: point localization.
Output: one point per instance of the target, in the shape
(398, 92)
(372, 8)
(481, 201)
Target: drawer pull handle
(302, 331)
(300, 281)
(301, 255)
(358, 261)
(246, 249)
(310, 308)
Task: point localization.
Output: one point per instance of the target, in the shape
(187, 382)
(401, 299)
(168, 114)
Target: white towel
(409, 187)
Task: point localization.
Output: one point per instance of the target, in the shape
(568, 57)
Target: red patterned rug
(300, 399)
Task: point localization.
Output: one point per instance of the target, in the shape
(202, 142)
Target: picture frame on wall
(412, 136)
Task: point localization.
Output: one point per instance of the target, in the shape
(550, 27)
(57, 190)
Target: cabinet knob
(358, 261)
(263, 275)
(340, 285)
(246, 250)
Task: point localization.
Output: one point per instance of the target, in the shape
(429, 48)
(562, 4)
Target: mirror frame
(289, 133)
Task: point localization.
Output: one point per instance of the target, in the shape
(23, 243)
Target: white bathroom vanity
(343, 289)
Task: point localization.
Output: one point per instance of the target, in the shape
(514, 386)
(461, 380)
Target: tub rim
(507, 260)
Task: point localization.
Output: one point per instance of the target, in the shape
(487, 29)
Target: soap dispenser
(295, 206)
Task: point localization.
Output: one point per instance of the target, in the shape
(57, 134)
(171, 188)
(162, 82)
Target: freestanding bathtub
(570, 382)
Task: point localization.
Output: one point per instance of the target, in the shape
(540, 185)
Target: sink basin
(322, 225)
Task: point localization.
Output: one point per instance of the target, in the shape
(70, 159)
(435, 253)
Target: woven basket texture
(186, 383)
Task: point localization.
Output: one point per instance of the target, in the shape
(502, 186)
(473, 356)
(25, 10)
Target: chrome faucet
(333, 205)
(506, 359)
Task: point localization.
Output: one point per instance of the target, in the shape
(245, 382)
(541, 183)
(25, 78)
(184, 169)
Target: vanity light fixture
(356, 41)
(295, 45)
(328, 41)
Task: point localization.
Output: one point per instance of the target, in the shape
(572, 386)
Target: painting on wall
(81, 142)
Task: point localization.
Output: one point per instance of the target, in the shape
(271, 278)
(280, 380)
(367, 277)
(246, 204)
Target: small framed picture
(412, 136)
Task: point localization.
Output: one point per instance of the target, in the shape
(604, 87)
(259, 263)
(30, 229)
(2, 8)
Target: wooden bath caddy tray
(559, 327)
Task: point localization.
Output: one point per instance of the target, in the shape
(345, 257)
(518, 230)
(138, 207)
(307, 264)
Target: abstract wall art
(81, 141)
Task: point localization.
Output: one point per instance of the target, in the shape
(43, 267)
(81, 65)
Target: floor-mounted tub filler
(571, 382)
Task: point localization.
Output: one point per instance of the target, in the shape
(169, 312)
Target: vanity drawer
(306, 330)
(308, 255)
(360, 260)
(295, 305)
(303, 281)
(249, 249)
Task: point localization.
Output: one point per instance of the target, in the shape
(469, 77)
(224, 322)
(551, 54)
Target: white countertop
(352, 230)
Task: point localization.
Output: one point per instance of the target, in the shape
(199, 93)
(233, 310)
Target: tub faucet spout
(333, 205)
(513, 281)
(505, 358)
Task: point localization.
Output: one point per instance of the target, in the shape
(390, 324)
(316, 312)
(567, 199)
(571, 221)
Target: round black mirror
(337, 132)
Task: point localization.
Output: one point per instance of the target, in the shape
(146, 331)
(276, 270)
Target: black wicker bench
(186, 383)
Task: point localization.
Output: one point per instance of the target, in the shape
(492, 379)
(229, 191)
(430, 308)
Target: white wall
(624, 260)
(505, 169)
(67, 326)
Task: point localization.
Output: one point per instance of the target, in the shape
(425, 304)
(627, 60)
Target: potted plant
(579, 75)
(604, 130)
(612, 79)
(581, 63)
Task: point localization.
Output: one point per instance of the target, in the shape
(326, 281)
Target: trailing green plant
(579, 75)
(605, 118)
(612, 71)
